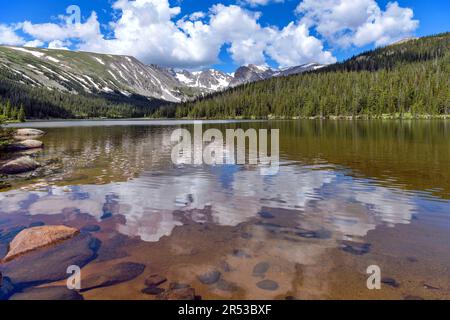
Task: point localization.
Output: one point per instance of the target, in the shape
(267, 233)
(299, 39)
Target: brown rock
(20, 165)
(38, 237)
(154, 280)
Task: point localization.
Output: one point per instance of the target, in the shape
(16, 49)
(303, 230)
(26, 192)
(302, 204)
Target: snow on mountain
(78, 72)
(207, 80)
(252, 73)
(92, 73)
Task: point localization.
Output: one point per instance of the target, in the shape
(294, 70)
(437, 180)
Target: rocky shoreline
(24, 139)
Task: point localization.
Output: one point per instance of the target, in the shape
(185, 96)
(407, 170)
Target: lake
(348, 195)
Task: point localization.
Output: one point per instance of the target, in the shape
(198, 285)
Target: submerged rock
(357, 249)
(121, 272)
(38, 237)
(390, 282)
(260, 269)
(227, 286)
(268, 285)
(152, 290)
(178, 294)
(48, 293)
(6, 287)
(155, 280)
(50, 264)
(210, 277)
(19, 165)
(91, 228)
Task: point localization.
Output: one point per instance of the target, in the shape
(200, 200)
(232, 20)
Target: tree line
(10, 112)
(408, 79)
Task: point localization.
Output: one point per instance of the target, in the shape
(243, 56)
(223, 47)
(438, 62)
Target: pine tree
(21, 114)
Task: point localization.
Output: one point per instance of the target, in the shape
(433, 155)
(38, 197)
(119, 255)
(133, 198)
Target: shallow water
(347, 195)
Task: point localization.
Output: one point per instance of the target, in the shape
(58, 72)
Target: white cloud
(34, 44)
(294, 45)
(88, 31)
(254, 3)
(9, 37)
(152, 31)
(58, 44)
(357, 22)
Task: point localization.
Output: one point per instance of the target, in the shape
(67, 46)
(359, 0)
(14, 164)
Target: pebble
(268, 285)
(260, 269)
(152, 290)
(390, 282)
(357, 248)
(209, 277)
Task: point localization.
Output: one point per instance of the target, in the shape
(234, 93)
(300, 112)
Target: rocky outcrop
(19, 165)
(32, 239)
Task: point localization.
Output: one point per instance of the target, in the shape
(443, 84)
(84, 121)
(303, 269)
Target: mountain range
(114, 75)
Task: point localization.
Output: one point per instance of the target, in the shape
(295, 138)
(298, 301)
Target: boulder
(50, 264)
(47, 293)
(38, 237)
(19, 165)
(29, 133)
(26, 145)
(118, 273)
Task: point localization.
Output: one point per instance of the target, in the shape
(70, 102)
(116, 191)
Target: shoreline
(332, 118)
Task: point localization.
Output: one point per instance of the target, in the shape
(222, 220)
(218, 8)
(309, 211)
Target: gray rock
(268, 285)
(152, 290)
(26, 132)
(390, 282)
(19, 165)
(226, 286)
(48, 293)
(210, 277)
(121, 272)
(260, 269)
(26, 145)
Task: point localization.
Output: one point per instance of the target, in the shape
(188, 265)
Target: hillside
(408, 78)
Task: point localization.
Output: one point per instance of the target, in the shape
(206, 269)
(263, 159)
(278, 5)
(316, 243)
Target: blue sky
(227, 33)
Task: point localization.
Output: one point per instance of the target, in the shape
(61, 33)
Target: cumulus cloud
(34, 44)
(9, 37)
(152, 31)
(357, 22)
(293, 45)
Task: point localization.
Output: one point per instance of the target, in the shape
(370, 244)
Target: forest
(42, 103)
(406, 79)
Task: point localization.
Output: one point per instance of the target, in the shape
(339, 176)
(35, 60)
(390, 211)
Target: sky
(222, 34)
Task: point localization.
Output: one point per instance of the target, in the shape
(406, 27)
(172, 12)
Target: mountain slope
(82, 72)
(205, 81)
(253, 73)
(412, 77)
